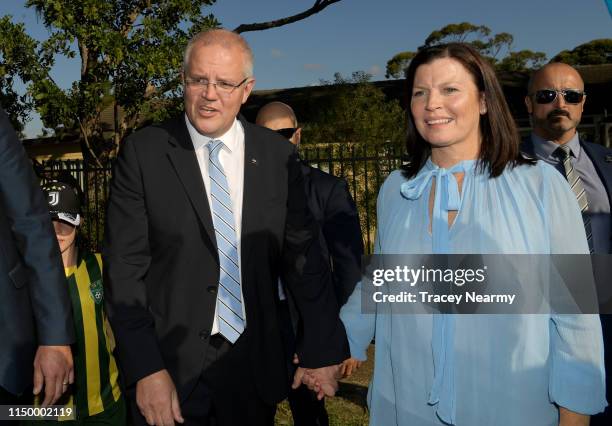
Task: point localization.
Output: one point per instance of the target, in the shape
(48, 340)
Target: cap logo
(53, 198)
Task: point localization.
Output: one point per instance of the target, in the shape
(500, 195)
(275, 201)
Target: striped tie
(564, 154)
(229, 299)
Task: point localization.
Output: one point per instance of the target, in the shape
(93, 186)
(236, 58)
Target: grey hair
(224, 38)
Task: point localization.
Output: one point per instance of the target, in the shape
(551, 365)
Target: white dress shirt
(231, 158)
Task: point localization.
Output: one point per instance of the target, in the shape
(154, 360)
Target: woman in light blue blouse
(475, 370)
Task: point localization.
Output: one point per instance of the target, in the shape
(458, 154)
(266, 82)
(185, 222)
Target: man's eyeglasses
(571, 96)
(221, 86)
(287, 133)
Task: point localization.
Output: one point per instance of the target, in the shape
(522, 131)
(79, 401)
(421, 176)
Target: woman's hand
(348, 366)
(569, 418)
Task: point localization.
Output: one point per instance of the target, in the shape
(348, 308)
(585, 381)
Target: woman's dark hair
(500, 138)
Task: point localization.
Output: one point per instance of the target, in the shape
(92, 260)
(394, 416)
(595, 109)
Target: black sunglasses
(571, 96)
(287, 133)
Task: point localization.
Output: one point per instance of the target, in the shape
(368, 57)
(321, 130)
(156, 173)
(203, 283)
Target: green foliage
(522, 60)
(358, 113)
(359, 125)
(18, 63)
(457, 33)
(131, 56)
(397, 64)
(463, 32)
(491, 47)
(496, 44)
(130, 52)
(594, 52)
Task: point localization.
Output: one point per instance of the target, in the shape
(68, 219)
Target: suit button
(211, 289)
(204, 334)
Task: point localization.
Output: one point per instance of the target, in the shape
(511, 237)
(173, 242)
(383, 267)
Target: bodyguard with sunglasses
(555, 101)
(341, 244)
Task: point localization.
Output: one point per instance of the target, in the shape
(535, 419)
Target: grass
(348, 407)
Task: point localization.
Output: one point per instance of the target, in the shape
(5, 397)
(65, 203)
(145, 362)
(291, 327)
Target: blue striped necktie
(229, 299)
(564, 154)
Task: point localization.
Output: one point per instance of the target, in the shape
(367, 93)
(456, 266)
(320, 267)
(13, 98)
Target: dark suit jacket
(162, 267)
(34, 304)
(334, 209)
(599, 155)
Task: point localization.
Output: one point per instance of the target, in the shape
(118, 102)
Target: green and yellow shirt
(96, 385)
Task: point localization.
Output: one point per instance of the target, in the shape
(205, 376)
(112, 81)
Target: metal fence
(363, 167)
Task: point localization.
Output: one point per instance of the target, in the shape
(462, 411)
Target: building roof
(306, 101)
(596, 74)
(597, 79)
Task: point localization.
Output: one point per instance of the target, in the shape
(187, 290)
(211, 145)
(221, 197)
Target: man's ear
(248, 87)
(297, 136)
(528, 104)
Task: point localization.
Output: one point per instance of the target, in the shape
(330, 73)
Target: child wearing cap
(95, 393)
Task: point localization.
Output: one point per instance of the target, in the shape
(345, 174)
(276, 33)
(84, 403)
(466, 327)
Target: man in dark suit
(334, 209)
(205, 212)
(555, 101)
(330, 202)
(35, 317)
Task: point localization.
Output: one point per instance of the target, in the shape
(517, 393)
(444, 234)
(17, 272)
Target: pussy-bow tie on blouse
(447, 198)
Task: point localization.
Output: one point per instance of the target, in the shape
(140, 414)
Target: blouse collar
(413, 189)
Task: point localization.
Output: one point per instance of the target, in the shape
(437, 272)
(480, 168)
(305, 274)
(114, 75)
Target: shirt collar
(545, 149)
(229, 138)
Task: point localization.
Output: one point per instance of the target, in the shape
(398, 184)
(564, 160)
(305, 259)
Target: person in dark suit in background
(331, 203)
(35, 315)
(342, 245)
(555, 101)
(206, 211)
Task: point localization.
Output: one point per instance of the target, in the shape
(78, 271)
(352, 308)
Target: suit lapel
(250, 193)
(182, 156)
(600, 167)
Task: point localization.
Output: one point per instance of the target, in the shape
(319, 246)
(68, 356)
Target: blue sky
(363, 34)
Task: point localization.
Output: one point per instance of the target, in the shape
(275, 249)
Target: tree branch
(84, 57)
(151, 90)
(132, 16)
(88, 145)
(318, 6)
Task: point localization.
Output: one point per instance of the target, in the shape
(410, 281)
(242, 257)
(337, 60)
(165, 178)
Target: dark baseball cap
(63, 201)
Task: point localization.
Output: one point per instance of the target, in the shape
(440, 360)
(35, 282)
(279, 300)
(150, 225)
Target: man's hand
(52, 368)
(157, 399)
(348, 366)
(323, 381)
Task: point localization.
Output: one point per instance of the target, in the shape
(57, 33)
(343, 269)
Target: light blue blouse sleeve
(577, 376)
(360, 327)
